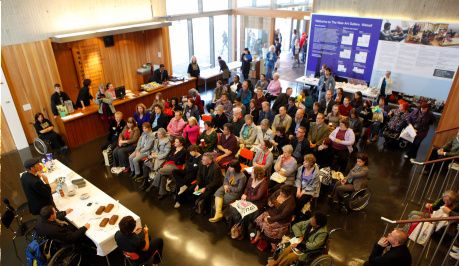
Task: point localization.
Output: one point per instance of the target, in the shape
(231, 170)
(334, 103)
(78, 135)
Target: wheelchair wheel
(324, 260)
(359, 199)
(41, 146)
(402, 144)
(65, 256)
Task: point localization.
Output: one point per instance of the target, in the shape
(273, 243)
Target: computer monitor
(120, 92)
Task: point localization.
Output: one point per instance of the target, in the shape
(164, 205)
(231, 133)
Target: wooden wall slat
(31, 71)
(6, 138)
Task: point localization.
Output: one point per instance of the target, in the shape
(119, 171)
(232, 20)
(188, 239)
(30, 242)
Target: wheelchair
(60, 253)
(317, 256)
(355, 201)
(391, 137)
(42, 146)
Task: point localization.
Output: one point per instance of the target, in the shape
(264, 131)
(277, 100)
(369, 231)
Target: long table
(213, 72)
(103, 238)
(83, 126)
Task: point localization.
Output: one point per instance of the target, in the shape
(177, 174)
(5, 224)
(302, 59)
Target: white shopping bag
(427, 228)
(408, 133)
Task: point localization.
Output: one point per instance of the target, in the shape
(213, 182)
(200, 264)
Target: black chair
(23, 229)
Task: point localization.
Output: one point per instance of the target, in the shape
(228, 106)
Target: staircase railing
(429, 236)
(432, 185)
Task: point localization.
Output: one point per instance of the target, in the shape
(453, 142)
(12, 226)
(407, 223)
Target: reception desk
(89, 125)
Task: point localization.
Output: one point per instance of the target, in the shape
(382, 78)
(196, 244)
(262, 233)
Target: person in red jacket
(345, 108)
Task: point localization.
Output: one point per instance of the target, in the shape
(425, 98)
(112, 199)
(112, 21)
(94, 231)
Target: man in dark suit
(158, 118)
(159, 76)
(326, 104)
(397, 255)
(281, 100)
(36, 188)
(300, 145)
(291, 107)
(58, 98)
(208, 180)
(50, 227)
(299, 121)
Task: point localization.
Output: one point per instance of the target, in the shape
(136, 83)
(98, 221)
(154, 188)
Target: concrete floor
(198, 242)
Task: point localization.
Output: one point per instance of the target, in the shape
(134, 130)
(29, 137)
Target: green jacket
(314, 241)
(452, 146)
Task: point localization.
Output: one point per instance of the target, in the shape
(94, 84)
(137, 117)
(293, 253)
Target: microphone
(8, 206)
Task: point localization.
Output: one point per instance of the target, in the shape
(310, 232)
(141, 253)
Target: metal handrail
(438, 160)
(444, 130)
(453, 218)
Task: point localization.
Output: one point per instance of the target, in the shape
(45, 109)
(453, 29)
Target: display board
(345, 44)
(422, 56)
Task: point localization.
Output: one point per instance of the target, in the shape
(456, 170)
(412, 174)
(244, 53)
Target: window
(212, 5)
(178, 34)
(221, 37)
(201, 42)
(265, 4)
(175, 7)
(244, 3)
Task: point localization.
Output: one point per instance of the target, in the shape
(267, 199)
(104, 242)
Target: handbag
(413, 225)
(325, 176)
(262, 245)
(278, 177)
(236, 230)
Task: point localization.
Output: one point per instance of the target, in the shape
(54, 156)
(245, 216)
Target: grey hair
(209, 155)
(237, 110)
(288, 148)
(193, 92)
(219, 108)
(162, 131)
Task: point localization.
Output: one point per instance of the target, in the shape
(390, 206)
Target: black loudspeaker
(108, 41)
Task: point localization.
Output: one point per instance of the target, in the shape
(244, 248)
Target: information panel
(345, 44)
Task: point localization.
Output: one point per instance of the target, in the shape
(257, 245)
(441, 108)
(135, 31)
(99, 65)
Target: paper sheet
(364, 41)
(347, 40)
(361, 57)
(345, 54)
(341, 68)
(249, 170)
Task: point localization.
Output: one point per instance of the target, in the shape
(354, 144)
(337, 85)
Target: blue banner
(345, 44)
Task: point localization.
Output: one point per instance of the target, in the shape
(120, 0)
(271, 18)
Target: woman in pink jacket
(192, 130)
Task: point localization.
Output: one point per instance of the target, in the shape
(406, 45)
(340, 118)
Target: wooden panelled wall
(118, 64)
(449, 121)
(7, 141)
(31, 69)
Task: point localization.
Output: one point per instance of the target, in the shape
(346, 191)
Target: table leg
(205, 85)
(108, 262)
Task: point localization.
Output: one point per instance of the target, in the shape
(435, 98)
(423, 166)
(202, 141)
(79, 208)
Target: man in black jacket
(208, 180)
(158, 118)
(50, 227)
(159, 76)
(326, 104)
(300, 145)
(291, 107)
(58, 98)
(397, 255)
(299, 121)
(38, 194)
(282, 100)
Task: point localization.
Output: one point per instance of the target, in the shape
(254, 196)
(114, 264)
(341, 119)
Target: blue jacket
(270, 116)
(270, 62)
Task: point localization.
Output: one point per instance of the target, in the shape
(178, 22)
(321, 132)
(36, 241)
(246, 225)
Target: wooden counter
(89, 126)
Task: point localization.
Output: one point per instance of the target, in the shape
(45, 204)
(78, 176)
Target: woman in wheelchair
(311, 235)
(354, 181)
(136, 247)
(398, 120)
(307, 183)
(45, 132)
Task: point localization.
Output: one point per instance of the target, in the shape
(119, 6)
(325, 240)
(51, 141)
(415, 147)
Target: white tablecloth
(307, 80)
(352, 88)
(103, 238)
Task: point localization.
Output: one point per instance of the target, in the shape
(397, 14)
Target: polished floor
(198, 242)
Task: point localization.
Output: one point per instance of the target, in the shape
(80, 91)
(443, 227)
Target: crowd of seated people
(291, 142)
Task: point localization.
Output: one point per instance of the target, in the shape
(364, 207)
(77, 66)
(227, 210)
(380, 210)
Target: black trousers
(182, 178)
(414, 147)
(54, 138)
(343, 159)
(273, 186)
(300, 203)
(113, 141)
(206, 196)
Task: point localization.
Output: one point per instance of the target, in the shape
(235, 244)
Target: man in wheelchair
(51, 228)
(310, 235)
(398, 121)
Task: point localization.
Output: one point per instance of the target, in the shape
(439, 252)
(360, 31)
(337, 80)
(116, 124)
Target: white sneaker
(455, 249)
(182, 189)
(406, 156)
(177, 205)
(454, 255)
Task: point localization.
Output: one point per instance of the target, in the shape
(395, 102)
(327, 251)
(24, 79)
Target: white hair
(237, 110)
(272, 47)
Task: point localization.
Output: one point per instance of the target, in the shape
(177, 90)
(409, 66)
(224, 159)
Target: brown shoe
(374, 138)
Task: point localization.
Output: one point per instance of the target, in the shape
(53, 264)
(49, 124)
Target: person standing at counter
(58, 98)
(84, 97)
(385, 86)
(110, 89)
(246, 59)
(105, 101)
(160, 76)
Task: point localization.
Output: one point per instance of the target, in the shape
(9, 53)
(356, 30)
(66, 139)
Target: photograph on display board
(422, 33)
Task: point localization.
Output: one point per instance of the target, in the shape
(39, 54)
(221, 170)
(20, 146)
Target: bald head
(397, 238)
